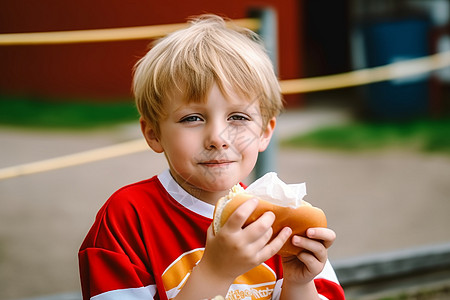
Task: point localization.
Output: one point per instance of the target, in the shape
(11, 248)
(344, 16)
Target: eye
(189, 119)
(239, 117)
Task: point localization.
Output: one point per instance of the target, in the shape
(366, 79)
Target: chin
(220, 182)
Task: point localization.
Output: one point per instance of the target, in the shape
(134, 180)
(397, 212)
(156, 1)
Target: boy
(208, 100)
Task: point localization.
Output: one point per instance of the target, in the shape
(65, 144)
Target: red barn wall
(103, 70)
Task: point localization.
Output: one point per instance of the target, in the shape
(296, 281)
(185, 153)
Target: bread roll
(299, 218)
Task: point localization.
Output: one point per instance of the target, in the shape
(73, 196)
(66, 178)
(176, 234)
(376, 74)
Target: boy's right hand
(235, 250)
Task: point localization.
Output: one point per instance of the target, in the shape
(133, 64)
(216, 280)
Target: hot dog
(298, 218)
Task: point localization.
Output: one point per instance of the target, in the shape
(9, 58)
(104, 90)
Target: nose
(216, 136)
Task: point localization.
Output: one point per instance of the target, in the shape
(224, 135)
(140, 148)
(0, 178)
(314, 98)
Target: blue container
(390, 41)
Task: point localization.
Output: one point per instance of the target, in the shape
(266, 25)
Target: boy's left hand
(310, 262)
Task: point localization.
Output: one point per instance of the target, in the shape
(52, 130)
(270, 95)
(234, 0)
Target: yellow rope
(104, 35)
(360, 77)
(388, 72)
(75, 159)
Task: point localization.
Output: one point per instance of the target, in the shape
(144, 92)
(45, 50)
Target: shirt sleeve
(112, 259)
(106, 275)
(326, 282)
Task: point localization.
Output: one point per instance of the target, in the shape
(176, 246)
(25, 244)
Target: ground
(375, 201)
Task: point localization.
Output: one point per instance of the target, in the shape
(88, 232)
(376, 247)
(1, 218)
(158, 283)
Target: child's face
(211, 146)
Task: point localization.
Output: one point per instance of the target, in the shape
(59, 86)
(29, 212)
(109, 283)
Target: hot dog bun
(299, 218)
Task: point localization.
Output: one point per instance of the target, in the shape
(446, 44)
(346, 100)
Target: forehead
(179, 97)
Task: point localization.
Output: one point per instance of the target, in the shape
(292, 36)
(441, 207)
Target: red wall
(103, 70)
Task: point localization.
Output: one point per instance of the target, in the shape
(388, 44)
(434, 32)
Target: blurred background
(375, 157)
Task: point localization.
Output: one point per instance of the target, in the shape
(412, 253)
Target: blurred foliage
(431, 135)
(64, 113)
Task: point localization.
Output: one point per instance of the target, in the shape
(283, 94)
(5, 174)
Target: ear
(266, 135)
(150, 136)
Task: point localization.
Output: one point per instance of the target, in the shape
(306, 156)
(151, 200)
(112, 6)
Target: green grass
(64, 114)
(430, 135)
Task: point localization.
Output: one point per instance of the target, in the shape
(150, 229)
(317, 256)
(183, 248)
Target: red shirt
(147, 238)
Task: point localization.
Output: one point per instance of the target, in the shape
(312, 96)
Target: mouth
(216, 163)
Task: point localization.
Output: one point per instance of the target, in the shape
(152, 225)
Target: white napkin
(271, 188)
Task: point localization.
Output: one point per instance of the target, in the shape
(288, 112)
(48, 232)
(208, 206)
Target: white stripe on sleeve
(141, 293)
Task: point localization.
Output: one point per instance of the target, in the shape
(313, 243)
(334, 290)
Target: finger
(210, 232)
(258, 242)
(314, 247)
(275, 245)
(260, 227)
(325, 235)
(240, 215)
(311, 263)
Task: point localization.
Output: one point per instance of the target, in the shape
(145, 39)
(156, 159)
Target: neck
(210, 197)
(205, 196)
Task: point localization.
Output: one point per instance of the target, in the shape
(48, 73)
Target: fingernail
(311, 232)
(288, 231)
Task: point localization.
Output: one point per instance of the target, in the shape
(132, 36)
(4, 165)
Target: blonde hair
(195, 58)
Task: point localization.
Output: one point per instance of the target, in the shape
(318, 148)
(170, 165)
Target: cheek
(180, 144)
(248, 148)
(245, 140)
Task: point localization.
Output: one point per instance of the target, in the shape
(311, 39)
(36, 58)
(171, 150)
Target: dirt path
(378, 201)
